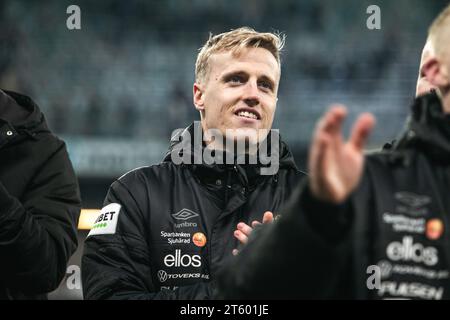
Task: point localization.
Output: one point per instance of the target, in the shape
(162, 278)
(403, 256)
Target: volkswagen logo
(162, 275)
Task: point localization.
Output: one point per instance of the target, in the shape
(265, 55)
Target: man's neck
(230, 147)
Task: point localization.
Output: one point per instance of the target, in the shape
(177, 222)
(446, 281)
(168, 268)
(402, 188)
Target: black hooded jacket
(391, 238)
(39, 202)
(167, 229)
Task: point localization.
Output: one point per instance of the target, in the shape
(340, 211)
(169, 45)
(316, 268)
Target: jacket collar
(246, 174)
(427, 128)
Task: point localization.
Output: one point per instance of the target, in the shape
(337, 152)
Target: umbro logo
(185, 214)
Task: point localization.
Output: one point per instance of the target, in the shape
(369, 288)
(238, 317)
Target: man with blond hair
(166, 229)
(364, 227)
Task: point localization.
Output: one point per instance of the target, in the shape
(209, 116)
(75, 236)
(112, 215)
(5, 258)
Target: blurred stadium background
(117, 88)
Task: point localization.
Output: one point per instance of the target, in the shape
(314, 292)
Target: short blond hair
(234, 41)
(439, 34)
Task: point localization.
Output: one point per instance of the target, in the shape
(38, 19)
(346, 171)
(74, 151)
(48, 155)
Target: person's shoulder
(292, 171)
(388, 163)
(139, 182)
(41, 145)
(290, 177)
(144, 175)
(51, 140)
(389, 157)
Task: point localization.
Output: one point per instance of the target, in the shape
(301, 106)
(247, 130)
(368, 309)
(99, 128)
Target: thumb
(268, 217)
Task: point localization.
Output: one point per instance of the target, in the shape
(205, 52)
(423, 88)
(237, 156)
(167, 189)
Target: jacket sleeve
(117, 265)
(38, 233)
(300, 256)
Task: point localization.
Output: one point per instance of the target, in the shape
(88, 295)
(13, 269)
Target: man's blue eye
(265, 85)
(236, 79)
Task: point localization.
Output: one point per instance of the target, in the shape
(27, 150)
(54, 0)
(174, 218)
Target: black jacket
(39, 202)
(175, 227)
(318, 250)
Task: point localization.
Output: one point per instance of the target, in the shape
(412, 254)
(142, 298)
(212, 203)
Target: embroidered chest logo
(412, 204)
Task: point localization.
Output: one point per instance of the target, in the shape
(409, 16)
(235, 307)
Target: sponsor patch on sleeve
(106, 221)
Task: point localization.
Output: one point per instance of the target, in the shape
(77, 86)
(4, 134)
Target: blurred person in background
(423, 86)
(364, 227)
(166, 229)
(39, 202)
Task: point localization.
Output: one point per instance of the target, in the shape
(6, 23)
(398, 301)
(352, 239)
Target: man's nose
(251, 97)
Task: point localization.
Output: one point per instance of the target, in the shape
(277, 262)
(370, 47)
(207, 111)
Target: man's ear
(199, 97)
(435, 72)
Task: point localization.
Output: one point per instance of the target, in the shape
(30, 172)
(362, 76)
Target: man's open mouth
(249, 114)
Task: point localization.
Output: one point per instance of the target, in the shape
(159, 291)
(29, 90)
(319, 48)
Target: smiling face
(239, 93)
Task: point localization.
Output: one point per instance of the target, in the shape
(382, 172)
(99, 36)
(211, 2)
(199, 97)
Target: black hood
(20, 112)
(249, 174)
(428, 128)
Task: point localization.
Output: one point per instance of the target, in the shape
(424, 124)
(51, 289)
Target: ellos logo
(185, 214)
(407, 250)
(184, 260)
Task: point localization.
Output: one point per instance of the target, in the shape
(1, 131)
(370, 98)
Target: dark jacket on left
(39, 202)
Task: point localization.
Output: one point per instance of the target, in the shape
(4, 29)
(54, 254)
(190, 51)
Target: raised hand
(243, 230)
(335, 165)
